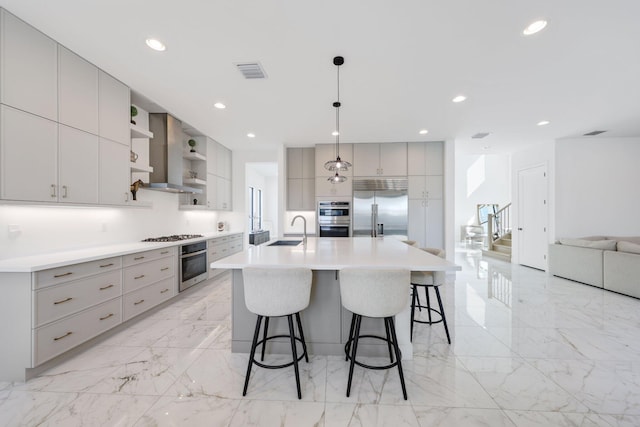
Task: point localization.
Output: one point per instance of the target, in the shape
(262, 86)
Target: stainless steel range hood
(165, 155)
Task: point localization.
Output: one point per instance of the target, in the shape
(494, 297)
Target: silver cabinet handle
(138, 277)
(107, 316)
(53, 190)
(64, 191)
(138, 258)
(62, 275)
(62, 301)
(106, 287)
(164, 269)
(139, 302)
(106, 265)
(166, 290)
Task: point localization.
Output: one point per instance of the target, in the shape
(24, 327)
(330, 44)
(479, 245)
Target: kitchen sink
(285, 243)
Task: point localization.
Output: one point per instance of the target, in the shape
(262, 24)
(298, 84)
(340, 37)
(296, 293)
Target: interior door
(532, 217)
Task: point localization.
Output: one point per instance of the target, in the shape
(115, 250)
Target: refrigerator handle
(374, 220)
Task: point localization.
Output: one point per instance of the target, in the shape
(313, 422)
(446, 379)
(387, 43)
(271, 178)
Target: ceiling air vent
(480, 135)
(251, 70)
(595, 132)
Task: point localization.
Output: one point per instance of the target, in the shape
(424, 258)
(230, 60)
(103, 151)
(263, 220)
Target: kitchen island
(326, 323)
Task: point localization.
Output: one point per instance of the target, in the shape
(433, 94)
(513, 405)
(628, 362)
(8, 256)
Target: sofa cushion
(632, 239)
(608, 245)
(629, 247)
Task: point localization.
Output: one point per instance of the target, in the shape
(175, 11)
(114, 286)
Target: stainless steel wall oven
(334, 219)
(193, 264)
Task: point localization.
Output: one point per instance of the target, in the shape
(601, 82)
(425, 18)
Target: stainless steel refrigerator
(380, 207)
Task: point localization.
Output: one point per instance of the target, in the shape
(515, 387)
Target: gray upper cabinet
(388, 159)
(425, 158)
(301, 179)
(29, 59)
(114, 109)
(77, 92)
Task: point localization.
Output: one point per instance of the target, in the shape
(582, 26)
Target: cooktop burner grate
(172, 238)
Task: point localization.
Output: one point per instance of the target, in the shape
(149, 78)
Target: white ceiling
(404, 62)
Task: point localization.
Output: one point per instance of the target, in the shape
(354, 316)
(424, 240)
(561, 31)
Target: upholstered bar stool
(378, 294)
(428, 280)
(277, 292)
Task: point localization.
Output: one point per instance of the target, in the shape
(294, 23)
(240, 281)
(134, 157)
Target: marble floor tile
(254, 413)
(457, 417)
(527, 349)
(515, 384)
(151, 372)
(189, 411)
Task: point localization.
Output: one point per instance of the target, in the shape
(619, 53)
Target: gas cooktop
(172, 238)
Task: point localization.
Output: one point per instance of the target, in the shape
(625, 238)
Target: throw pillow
(629, 247)
(607, 245)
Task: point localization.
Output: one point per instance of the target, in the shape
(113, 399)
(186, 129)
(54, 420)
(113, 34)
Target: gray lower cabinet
(221, 247)
(45, 313)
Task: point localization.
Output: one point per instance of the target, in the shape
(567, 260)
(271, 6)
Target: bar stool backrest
(435, 251)
(276, 291)
(374, 293)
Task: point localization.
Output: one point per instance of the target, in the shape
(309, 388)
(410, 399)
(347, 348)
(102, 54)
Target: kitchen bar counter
(326, 323)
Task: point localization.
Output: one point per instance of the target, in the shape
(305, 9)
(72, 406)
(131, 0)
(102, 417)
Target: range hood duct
(165, 155)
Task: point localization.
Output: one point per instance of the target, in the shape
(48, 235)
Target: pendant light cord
(338, 118)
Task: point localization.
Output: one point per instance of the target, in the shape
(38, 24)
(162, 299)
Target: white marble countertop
(39, 262)
(326, 253)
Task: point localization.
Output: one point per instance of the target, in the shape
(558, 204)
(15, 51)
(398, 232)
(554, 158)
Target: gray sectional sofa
(607, 262)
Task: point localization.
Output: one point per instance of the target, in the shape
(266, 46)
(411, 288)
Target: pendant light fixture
(338, 164)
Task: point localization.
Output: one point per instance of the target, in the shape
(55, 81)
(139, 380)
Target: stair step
(502, 249)
(504, 242)
(497, 255)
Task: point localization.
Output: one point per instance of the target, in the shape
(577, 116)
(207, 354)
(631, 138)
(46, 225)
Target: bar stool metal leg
(251, 355)
(353, 325)
(414, 296)
(426, 292)
(389, 321)
(386, 329)
(353, 352)
(264, 337)
(304, 343)
(444, 318)
(295, 355)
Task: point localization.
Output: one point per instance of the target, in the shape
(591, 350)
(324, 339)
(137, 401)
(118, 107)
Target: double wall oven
(334, 219)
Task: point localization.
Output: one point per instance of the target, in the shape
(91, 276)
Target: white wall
(50, 228)
(480, 178)
(597, 187)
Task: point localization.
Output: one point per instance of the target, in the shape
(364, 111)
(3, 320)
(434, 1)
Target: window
(255, 209)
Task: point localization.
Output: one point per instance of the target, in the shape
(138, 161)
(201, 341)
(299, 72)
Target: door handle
(519, 228)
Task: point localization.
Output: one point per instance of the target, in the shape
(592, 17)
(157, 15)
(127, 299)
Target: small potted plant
(192, 144)
(134, 112)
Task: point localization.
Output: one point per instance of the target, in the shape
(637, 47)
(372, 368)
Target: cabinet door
(114, 110)
(113, 173)
(325, 189)
(308, 162)
(417, 187)
(308, 194)
(434, 186)
(78, 166)
(223, 162)
(29, 68)
(77, 91)
(434, 224)
(416, 158)
(366, 159)
(212, 156)
(212, 187)
(223, 194)
(29, 155)
(294, 194)
(417, 221)
(434, 153)
(294, 163)
(393, 159)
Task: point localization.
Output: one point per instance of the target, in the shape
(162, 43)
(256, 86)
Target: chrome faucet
(304, 220)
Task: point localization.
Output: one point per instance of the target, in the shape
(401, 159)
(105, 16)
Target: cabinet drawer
(53, 276)
(143, 299)
(141, 257)
(55, 302)
(235, 246)
(218, 241)
(217, 252)
(58, 337)
(140, 275)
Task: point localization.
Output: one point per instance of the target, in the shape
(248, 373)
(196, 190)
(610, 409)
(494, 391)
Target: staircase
(499, 225)
(501, 248)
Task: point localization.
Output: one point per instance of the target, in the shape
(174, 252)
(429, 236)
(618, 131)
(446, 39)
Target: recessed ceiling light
(156, 44)
(335, 133)
(423, 132)
(220, 105)
(459, 98)
(251, 135)
(543, 123)
(534, 27)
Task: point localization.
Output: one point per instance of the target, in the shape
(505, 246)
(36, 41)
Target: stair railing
(499, 224)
